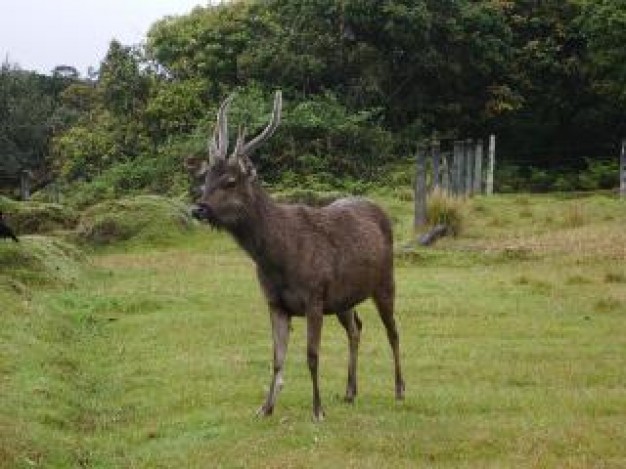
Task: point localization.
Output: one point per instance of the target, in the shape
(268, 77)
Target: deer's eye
(229, 183)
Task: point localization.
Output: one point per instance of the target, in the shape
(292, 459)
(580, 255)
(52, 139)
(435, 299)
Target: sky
(41, 34)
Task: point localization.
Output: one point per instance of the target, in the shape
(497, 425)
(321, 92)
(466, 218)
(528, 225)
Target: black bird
(5, 231)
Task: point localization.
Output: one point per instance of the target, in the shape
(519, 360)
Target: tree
(24, 111)
(604, 24)
(123, 86)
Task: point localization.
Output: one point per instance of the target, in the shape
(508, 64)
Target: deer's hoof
(264, 411)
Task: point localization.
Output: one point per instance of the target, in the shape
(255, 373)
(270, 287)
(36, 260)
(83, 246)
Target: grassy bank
(512, 338)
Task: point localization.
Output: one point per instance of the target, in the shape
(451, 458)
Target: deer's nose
(200, 211)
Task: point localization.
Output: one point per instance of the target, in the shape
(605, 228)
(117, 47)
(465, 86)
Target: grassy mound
(37, 217)
(39, 260)
(147, 219)
(308, 197)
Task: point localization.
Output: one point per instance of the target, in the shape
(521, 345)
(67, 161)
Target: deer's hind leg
(384, 300)
(352, 324)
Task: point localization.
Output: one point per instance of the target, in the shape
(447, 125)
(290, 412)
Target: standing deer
(310, 261)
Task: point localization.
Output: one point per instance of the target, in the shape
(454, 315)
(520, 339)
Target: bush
(150, 219)
(598, 174)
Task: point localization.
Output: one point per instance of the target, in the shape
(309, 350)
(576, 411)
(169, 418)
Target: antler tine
(241, 140)
(249, 148)
(213, 146)
(221, 141)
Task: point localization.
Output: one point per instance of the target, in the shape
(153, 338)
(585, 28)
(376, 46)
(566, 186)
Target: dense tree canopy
(26, 104)
(363, 82)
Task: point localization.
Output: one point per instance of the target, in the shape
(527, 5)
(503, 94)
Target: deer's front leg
(280, 335)
(315, 319)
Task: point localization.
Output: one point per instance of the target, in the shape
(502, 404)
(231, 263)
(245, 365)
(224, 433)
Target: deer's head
(229, 181)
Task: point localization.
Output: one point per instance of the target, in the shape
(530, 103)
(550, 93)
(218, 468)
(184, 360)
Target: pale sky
(41, 34)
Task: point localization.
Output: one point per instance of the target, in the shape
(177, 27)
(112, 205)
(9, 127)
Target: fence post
(478, 167)
(469, 167)
(25, 184)
(436, 156)
(445, 173)
(622, 170)
(492, 163)
(457, 167)
(420, 189)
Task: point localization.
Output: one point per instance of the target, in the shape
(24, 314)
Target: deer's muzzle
(201, 212)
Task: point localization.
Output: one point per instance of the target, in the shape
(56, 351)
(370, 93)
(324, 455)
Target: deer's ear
(196, 166)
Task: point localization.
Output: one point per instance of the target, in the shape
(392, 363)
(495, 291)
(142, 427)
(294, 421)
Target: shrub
(597, 174)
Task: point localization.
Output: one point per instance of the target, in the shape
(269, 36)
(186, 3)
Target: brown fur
(310, 262)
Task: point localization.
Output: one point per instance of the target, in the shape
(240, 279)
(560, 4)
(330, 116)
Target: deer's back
(340, 254)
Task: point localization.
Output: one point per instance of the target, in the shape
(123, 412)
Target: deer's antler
(243, 149)
(218, 145)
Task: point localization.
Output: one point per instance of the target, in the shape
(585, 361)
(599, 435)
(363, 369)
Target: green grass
(512, 339)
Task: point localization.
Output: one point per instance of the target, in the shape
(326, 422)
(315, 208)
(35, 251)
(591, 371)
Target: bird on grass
(5, 231)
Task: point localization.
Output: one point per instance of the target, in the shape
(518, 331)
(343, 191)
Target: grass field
(513, 340)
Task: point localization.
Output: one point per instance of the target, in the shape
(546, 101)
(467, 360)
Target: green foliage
(174, 107)
(321, 136)
(25, 107)
(161, 173)
(85, 150)
(123, 86)
(604, 23)
(363, 83)
(598, 174)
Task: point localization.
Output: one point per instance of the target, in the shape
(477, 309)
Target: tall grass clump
(574, 216)
(443, 209)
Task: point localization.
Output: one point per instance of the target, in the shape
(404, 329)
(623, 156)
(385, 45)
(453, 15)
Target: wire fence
(463, 168)
(460, 167)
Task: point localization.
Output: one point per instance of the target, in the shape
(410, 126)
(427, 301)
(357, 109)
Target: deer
(310, 262)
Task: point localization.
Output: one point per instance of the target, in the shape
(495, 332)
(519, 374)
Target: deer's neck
(261, 232)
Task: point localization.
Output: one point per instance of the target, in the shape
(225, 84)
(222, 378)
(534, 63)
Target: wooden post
(420, 189)
(491, 164)
(622, 170)
(478, 167)
(436, 156)
(25, 184)
(469, 167)
(445, 173)
(457, 167)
